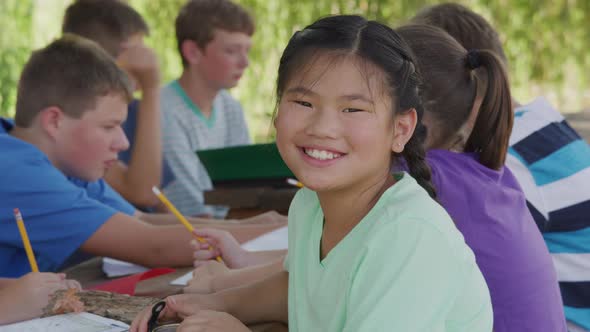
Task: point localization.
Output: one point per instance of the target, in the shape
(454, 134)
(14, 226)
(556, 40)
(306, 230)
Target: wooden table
(249, 201)
(90, 274)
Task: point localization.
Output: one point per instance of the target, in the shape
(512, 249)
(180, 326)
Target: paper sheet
(116, 268)
(275, 240)
(183, 280)
(83, 321)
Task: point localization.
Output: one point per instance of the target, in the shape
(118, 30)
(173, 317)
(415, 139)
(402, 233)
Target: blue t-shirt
(59, 213)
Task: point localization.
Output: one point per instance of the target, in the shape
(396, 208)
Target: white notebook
(274, 240)
(116, 268)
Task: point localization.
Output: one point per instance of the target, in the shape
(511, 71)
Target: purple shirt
(490, 209)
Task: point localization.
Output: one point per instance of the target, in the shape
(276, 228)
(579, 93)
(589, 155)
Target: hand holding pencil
(180, 217)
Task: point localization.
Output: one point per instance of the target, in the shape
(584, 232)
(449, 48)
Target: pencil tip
(156, 190)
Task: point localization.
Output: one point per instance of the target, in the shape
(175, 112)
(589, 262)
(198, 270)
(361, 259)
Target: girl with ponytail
(468, 117)
(368, 250)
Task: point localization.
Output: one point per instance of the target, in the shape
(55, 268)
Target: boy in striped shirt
(214, 37)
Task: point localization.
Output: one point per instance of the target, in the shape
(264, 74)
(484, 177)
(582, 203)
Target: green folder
(257, 164)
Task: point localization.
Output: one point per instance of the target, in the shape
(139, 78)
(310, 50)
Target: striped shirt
(552, 164)
(186, 130)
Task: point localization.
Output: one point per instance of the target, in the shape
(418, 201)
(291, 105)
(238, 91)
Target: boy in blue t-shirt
(72, 99)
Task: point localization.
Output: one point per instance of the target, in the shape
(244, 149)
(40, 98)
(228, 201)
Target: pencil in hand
(180, 217)
(26, 243)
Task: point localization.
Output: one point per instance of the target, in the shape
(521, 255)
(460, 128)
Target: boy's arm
(135, 181)
(243, 230)
(129, 239)
(6, 282)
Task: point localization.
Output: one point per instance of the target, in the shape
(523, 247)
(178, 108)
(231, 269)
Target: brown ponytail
(459, 86)
(493, 125)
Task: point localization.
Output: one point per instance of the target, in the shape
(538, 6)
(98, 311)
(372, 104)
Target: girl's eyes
(352, 110)
(302, 103)
(346, 110)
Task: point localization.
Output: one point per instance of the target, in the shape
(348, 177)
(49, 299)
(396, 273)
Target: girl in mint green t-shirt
(368, 250)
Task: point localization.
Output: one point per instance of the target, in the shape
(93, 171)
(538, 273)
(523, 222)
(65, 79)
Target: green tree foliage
(546, 43)
(15, 40)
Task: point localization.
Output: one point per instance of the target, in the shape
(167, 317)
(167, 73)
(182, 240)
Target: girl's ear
(404, 125)
(191, 52)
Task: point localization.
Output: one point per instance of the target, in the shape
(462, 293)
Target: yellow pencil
(295, 183)
(25, 237)
(179, 216)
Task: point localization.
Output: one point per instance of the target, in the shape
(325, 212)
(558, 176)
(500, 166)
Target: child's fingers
(182, 305)
(212, 234)
(195, 245)
(140, 322)
(204, 255)
(198, 264)
(207, 240)
(73, 284)
(47, 277)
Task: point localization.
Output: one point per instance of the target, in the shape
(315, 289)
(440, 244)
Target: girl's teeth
(321, 154)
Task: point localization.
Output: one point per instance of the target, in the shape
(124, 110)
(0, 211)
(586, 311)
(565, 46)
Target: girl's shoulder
(405, 200)
(304, 207)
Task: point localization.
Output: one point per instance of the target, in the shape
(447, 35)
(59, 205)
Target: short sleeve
(104, 193)
(59, 216)
(408, 280)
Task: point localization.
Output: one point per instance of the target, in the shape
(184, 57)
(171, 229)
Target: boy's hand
(141, 63)
(223, 244)
(212, 321)
(205, 276)
(33, 290)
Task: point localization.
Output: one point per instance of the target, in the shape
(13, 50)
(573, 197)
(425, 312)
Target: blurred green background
(546, 42)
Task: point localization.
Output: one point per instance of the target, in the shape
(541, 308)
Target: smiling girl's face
(335, 124)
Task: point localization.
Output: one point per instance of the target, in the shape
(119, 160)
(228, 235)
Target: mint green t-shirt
(404, 267)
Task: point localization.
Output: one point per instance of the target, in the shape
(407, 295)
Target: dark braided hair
(380, 45)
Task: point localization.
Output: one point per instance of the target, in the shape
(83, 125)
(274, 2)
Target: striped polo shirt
(552, 164)
(185, 130)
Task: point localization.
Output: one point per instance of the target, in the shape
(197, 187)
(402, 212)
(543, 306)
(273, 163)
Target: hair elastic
(472, 59)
